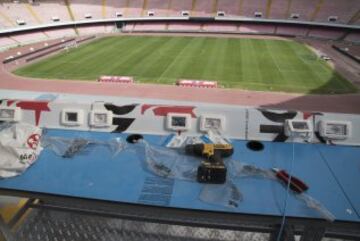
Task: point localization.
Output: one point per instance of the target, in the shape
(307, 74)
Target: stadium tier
(342, 12)
(353, 37)
(303, 9)
(203, 8)
(85, 9)
(159, 7)
(230, 7)
(49, 11)
(220, 27)
(60, 32)
(279, 9)
(23, 21)
(18, 13)
(250, 8)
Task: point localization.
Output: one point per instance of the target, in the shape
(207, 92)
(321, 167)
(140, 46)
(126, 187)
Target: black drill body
(212, 169)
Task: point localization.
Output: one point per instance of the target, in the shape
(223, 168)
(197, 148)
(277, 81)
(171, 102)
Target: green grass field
(253, 64)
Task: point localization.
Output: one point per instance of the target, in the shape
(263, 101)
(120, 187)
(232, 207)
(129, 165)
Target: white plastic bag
(19, 148)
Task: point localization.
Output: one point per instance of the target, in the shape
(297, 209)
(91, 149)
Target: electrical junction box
(298, 128)
(12, 114)
(335, 130)
(178, 122)
(212, 122)
(72, 117)
(100, 118)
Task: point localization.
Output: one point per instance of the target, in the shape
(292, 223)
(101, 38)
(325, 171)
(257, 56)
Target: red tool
(296, 184)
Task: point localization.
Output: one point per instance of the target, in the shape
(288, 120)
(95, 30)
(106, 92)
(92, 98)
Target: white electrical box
(100, 118)
(178, 121)
(212, 122)
(55, 18)
(298, 128)
(335, 130)
(72, 117)
(185, 13)
(220, 13)
(295, 16)
(10, 113)
(20, 22)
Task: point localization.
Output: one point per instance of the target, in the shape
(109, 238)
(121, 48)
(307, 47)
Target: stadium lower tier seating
(350, 50)
(246, 28)
(326, 33)
(23, 38)
(353, 37)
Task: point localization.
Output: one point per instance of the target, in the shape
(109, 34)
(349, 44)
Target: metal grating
(46, 225)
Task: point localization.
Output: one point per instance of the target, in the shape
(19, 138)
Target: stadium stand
(229, 7)
(23, 14)
(86, 9)
(7, 42)
(326, 33)
(110, 28)
(184, 27)
(179, 6)
(6, 21)
(343, 11)
(113, 6)
(250, 7)
(160, 8)
(88, 30)
(221, 27)
(279, 9)
(304, 8)
(51, 11)
(352, 51)
(256, 28)
(17, 13)
(39, 49)
(149, 27)
(31, 37)
(60, 32)
(292, 30)
(129, 27)
(203, 8)
(134, 9)
(353, 37)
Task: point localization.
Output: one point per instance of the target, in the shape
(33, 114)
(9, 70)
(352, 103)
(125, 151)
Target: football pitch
(254, 64)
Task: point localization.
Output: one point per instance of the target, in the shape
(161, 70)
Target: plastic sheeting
(166, 162)
(69, 147)
(227, 195)
(174, 163)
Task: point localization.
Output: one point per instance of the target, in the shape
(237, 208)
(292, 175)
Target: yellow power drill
(212, 169)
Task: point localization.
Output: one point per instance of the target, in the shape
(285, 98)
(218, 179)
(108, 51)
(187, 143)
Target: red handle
(295, 183)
